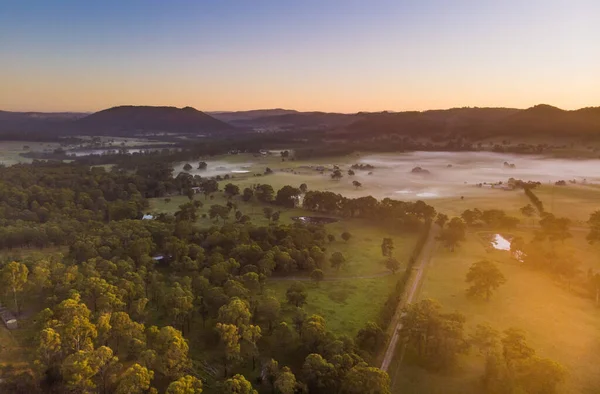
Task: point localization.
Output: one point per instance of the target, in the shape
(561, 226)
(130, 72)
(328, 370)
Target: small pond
(500, 243)
(314, 219)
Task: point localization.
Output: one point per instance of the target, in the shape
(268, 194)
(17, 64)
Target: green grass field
(559, 324)
(347, 304)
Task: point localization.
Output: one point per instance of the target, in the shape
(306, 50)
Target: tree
(202, 165)
(346, 236)
(296, 294)
(471, 216)
(317, 275)
(303, 188)
(594, 222)
(49, 347)
(209, 186)
(232, 190)
(135, 380)
(350, 172)
(172, 352)
(485, 339)
(236, 312)
(436, 338)
(356, 184)
(387, 247)
(319, 375)
(218, 211)
(14, 277)
(484, 277)
(362, 379)
(370, 338)
(187, 167)
(454, 233)
(286, 381)
(268, 213)
(392, 264)
(441, 220)
(337, 260)
(541, 376)
(271, 371)
(275, 216)
(268, 310)
(264, 193)
(331, 237)
(185, 385)
(287, 196)
(230, 337)
(515, 348)
(78, 371)
(73, 324)
(553, 228)
(238, 385)
(336, 175)
(248, 194)
(528, 210)
(268, 171)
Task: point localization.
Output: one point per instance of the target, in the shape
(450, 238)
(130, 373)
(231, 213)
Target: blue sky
(310, 55)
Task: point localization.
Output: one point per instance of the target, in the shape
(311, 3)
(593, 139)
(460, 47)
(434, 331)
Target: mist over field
(457, 173)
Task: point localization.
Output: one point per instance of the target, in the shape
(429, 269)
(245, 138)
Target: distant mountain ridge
(470, 122)
(479, 122)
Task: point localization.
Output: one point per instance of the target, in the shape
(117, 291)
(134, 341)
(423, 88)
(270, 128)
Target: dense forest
(126, 305)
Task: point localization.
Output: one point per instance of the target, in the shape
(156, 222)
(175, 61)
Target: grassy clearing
(346, 305)
(576, 202)
(509, 201)
(10, 150)
(559, 325)
(362, 251)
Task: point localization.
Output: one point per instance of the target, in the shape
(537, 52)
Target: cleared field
(362, 251)
(10, 150)
(346, 305)
(559, 324)
(576, 202)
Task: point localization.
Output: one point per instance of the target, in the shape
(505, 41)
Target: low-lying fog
(449, 170)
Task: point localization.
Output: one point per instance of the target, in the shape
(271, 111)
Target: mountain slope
(129, 119)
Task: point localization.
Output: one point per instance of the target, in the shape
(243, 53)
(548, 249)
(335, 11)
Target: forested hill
(540, 120)
(282, 120)
(121, 119)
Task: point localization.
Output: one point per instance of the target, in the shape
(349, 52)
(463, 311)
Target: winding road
(410, 295)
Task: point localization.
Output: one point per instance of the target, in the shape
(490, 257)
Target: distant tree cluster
(408, 214)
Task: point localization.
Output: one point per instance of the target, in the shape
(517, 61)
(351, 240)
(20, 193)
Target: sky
(327, 55)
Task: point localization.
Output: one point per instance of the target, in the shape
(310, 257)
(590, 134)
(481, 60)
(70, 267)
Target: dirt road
(410, 295)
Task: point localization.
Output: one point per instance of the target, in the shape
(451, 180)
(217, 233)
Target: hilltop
(125, 119)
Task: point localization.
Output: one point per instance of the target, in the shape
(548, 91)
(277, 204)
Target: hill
(283, 119)
(543, 120)
(129, 119)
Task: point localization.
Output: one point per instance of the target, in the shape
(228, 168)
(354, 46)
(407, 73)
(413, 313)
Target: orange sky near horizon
(337, 56)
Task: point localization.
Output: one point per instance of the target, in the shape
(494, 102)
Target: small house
(9, 320)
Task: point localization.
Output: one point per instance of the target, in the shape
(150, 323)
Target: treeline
(407, 214)
(534, 200)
